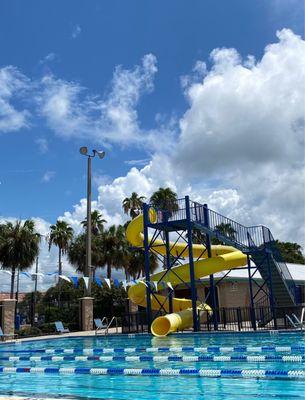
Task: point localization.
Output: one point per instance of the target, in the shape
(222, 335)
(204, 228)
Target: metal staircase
(255, 241)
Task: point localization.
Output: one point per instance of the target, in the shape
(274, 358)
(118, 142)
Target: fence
(45, 311)
(239, 319)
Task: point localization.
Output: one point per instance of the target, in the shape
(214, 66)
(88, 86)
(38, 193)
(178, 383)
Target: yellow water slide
(222, 258)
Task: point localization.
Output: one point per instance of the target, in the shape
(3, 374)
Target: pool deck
(111, 331)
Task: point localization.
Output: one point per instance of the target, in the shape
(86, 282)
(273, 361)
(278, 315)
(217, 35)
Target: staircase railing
(279, 262)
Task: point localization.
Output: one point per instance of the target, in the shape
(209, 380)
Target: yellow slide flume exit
(222, 258)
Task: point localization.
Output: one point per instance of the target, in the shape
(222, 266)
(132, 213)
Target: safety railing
(296, 322)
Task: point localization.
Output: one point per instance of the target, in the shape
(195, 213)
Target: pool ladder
(108, 324)
(295, 321)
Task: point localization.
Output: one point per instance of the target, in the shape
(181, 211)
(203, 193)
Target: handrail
(290, 321)
(298, 322)
(108, 326)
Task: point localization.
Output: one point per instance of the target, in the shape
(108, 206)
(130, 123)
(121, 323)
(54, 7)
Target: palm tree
(97, 222)
(136, 264)
(165, 199)
(291, 252)
(19, 247)
(77, 252)
(60, 235)
(225, 229)
(133, 205)
(114, 248)
(198, 236)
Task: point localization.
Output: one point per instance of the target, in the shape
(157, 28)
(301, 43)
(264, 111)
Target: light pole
(88, 269)
(35, 292)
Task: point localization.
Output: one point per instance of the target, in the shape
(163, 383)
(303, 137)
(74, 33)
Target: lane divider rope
(219, 373)
(211, 349)
(261, 358)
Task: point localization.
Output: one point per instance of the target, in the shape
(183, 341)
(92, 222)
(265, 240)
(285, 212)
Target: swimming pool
(180, 366)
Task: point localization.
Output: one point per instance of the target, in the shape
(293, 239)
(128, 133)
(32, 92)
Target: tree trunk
(108, 271)
(12, 283)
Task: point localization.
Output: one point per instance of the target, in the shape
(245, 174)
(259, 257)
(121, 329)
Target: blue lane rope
(210, 349)
(206, 358)
(217, 373)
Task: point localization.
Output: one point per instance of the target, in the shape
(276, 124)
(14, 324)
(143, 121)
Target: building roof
(6, 295)
(297, 272)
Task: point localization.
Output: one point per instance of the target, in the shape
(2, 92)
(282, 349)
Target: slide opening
(160, 326)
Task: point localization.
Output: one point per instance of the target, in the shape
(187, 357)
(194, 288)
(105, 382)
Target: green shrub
(29, 331)
(47, 328)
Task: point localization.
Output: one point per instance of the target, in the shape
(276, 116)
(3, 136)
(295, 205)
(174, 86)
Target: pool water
(88, 386)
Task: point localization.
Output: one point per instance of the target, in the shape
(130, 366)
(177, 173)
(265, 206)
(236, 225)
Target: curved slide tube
(222, 258)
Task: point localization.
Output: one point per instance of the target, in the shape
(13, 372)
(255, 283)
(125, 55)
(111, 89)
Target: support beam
(147, 267)
(271, 295)
(252, 310)
(212, 285)
(191, 263)
(168, 267)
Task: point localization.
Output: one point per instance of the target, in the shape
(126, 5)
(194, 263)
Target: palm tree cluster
(109, 249)
(19, 247)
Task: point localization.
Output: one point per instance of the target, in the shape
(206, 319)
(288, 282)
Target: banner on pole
(108, 282)
(98, 281)
(86, 280)
(65, 278)
(74, 280)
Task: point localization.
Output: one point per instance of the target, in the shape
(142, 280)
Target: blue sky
(140, 70)
(107, 34)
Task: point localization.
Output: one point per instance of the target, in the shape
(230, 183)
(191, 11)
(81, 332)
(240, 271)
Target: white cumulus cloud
(12, 86)
(71, 112)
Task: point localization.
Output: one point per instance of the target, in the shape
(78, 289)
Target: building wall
(234, 294)
(230, 294)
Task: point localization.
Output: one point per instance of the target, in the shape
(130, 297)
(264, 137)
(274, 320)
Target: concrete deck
(111, 331)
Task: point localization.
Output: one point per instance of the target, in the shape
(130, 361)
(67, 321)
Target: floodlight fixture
(83, 150)
(100, 153)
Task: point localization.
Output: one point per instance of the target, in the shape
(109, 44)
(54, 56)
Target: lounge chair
(100, 324)
(60, 328)
(4, 336)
